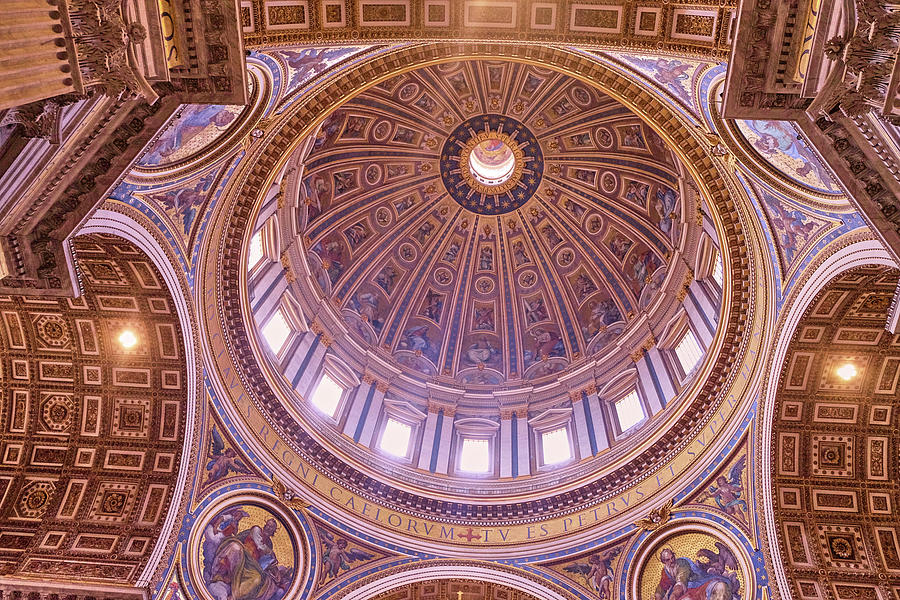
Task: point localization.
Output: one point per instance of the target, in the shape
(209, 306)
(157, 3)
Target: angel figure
(223, 461)
(728, 490)
(598, 571)
(338, 557)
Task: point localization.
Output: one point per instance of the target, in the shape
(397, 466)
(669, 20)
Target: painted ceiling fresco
(198, 126)
(302, 64)
(781, 145)
(406, 262)
(488, 284)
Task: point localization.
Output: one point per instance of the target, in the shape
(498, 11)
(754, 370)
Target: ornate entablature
(687, 27)
(830, 67)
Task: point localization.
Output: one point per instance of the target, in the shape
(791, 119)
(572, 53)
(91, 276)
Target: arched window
(555, 446)
(395, 438)
(718, 272)
(625, 402)
(333, 387)
(277, 331)
(688, 351)
(263, 245)
(475, 446)
(629, 410)
(327, 395)
(475, 455)
(255, 253)
(399, 428)
(553, 437)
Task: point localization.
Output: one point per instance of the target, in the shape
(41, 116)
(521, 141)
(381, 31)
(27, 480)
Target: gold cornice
(589, 390)
(685, 285)
(435, 406)
(286, 265)
(324, 337)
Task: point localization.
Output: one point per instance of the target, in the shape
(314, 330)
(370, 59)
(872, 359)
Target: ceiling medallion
(491, 164)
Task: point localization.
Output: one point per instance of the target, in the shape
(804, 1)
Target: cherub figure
(337, 557)
(598, 571)
(728, 490)
(223, 461)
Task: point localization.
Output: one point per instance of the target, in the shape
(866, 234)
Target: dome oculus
(491, 164)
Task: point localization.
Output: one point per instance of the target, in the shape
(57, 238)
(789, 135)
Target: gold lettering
(171, 33)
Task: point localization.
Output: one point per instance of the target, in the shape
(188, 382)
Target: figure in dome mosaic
(247, 554)
(781, 145)
(692, 566)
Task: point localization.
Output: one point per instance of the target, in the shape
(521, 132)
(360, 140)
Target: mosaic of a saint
(246, 555)
(712, 576)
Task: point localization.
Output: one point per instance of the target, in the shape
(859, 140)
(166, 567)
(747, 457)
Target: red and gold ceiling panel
(835, 480)
(94, 398)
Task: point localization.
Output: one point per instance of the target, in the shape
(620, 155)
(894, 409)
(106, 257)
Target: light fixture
(846, 371)
(128, 339)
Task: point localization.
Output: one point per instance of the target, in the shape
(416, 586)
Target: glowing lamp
(128, 339)
(846, 372)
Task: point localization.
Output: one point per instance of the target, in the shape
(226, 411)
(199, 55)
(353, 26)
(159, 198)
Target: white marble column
(358, 408)
(585, 446)
(659, 386)
(707, 301)
(445, 418)
(597, 420)
(699, 321)
(266, 287)
(427, 449)
(298, 356)
(307, 372)
(651, 394)
(523, 448)
(506, 453)
(370, 419)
